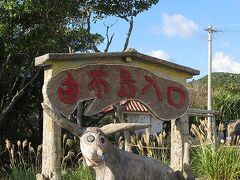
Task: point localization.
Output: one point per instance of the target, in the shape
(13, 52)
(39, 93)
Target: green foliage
(216, 164)
(227, 104)
(78, 173)
(225, 93)
(213, 162)
(224, 81)
(30, 28)
(121, 8)
(20, 173)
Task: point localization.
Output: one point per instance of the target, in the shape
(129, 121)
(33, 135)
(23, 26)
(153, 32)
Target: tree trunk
(128, 33)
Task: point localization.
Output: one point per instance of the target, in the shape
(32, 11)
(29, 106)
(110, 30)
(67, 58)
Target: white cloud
(160, 54)
(178, 25)
(225, 63)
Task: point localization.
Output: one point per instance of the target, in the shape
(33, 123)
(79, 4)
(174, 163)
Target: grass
(156, 146)
(78, 173)
(222, 163)
(21, 161)
(21, 173)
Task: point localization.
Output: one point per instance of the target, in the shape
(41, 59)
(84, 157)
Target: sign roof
(56, 57)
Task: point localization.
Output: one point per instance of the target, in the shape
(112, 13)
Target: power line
(228, 28)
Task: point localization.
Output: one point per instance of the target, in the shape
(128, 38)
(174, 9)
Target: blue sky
(173, 30)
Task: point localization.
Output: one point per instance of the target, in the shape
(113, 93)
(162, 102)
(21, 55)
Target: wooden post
(180, 143)
(127, 146)
(121, 119)
(185, 136)
(176, 146)
(51, 146)
(80, 114)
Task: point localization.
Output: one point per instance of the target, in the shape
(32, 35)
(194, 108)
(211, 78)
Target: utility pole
(210, 30)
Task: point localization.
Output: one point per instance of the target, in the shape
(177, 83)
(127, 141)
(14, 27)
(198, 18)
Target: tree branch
(129, 32)
(52, 29)
(11, 90)
(17, 96)
(25, 76)
(89, 31)
(5, 63)
(109, 40)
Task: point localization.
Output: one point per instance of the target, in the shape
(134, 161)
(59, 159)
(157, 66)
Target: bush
(216, 164)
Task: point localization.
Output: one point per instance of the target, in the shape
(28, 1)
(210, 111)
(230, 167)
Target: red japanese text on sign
(69, 91)
(98, 81)
(179, 102)
(155, 86)
(127, 84)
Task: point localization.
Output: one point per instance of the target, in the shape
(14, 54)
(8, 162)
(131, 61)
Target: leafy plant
(213, 162)
(216, 164)
(227, 104)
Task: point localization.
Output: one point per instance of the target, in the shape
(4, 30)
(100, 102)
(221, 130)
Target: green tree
(29, 28)
(227, 83)
(227, 104)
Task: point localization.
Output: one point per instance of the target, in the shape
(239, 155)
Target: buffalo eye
(102, 139)
(90, 138)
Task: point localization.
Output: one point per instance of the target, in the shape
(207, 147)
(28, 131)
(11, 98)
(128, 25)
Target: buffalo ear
(63, 121)
(113, 128)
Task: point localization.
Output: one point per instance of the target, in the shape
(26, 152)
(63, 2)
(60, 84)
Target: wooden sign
(108, 84)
